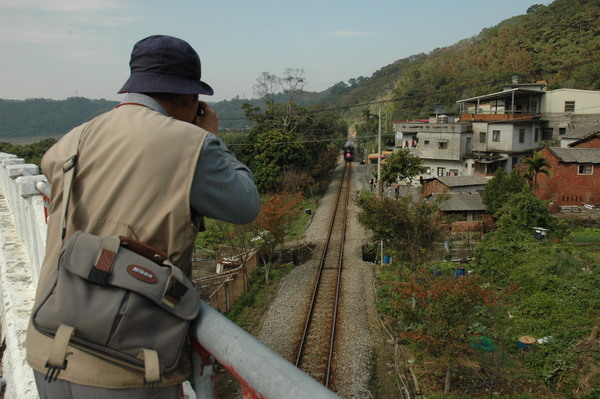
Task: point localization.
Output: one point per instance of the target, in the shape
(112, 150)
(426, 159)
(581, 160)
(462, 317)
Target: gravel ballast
(354, 342)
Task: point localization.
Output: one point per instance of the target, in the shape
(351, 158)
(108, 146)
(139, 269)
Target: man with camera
(148, 170)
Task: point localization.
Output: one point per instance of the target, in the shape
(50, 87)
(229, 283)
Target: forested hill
(558, 43)
(47, 118)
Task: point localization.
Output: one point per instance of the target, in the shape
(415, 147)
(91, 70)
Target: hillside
(39, 118)
(558, 43)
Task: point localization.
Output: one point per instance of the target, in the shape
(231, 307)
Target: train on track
(350, 150)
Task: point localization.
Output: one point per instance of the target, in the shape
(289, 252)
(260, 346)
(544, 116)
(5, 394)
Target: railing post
(204, 372)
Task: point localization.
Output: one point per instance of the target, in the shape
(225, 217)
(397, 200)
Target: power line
(303, 141)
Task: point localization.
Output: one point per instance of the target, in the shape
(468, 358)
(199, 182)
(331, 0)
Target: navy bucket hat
(165, 64)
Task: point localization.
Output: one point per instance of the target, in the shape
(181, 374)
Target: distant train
(349, 151)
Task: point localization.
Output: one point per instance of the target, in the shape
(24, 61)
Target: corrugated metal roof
(577, 134)
(577, 155)
(459, 181)
(460, 202)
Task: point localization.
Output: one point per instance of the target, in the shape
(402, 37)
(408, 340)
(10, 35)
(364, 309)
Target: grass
(585, 235)
(247, 311)
(298, 226)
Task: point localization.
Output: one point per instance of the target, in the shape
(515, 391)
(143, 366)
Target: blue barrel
(387, 259)
(459, 272)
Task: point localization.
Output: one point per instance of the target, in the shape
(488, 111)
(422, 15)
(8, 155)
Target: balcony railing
(494, 117)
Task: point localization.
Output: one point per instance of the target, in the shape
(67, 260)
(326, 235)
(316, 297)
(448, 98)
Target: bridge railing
(261, 372)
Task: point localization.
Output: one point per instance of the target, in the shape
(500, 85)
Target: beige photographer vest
(134, 174)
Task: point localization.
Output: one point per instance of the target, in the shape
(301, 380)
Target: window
(521, 135)
(469, 144)
(441, 171)
(496, 135)
(562, 130)
(482, 137)
(547, 133)
(585, 169)
(425, 142)
(569, 106)
(537, 134)
(442, 145)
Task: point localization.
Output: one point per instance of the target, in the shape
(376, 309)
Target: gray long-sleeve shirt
(222, 188)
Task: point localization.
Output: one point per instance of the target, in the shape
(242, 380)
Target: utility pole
(379, 182)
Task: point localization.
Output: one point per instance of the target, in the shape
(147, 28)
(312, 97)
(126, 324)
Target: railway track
(316, 348)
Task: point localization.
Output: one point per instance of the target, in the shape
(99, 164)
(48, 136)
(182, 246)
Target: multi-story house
(506, 126)
(441, 142)
(499, 130)
(570, 112)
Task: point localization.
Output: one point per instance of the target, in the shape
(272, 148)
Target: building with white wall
(506, 126)
(570, 112)
(442, 142)
(499, 130)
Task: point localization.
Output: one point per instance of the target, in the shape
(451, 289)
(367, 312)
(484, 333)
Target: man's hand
(207, 118)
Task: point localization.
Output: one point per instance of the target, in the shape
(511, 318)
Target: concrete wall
(22, 246)
(586, 101)
(433, 165)
(509, 137)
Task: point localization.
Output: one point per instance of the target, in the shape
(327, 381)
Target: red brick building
(574, 173)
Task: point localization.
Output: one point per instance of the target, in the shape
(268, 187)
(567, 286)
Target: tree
(273, 224)
(288, 137)
(32, 153)
(523, 211)
(534, 8)
(409, 229)
(276, 152)
(288, 88)
(536, 165)
(293, 181)
(500, 188)
(501, 251)
(403, 166)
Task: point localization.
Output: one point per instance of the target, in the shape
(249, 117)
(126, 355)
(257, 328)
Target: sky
(65, 48)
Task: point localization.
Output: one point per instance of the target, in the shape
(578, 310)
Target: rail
(262, 373)
(323, 300)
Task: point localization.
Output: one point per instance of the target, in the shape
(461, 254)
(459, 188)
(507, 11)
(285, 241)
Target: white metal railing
(261, 372)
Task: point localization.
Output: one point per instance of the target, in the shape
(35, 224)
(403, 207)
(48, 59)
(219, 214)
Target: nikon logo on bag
(142, 274)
